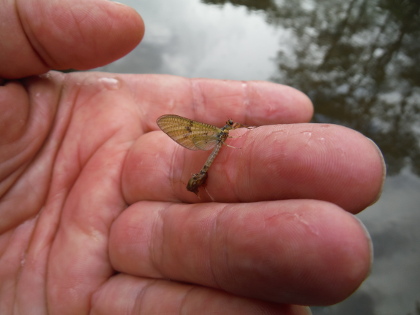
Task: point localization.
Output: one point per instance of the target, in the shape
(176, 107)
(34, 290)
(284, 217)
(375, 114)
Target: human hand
(95, 214)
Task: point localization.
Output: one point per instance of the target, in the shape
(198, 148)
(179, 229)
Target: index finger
(303, 161)
(214, 101)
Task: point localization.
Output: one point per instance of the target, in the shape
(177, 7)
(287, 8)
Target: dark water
(359, 62)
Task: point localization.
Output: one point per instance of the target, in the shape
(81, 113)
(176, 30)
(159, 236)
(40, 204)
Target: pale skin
(95, 217)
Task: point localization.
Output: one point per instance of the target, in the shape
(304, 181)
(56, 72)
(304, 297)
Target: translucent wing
(190, 134)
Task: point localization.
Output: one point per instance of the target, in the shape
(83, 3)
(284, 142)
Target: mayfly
(196, 135)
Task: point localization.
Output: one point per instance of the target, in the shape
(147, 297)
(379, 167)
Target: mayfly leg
(200, 178)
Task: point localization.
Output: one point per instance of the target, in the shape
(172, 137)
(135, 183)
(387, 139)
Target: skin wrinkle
(183, 303)
(33, 163)
(66, 188)
(228, 178)
(24, 124)
(143, 111)
(40, 268)
(231, 176)
(215, 233)
(154, 259)
(14, 175)
(251, 149)
(32, 40)
(246, 101)
(142, 293)
(229, 271)
(211, 252)
(10, 179)
(22, 267)
(172, 169)
(80, 32)
(79, 153)
(197, 99)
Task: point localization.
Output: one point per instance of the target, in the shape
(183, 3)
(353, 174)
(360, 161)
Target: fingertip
(75, 34)
(348, 256)
(310, 161)
(381, 159)
(90, 34)
(283, 104)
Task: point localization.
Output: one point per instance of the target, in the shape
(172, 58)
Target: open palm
(95, 216)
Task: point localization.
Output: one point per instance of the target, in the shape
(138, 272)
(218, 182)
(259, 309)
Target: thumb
(37, 36)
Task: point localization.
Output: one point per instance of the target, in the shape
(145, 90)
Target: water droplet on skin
(312, 228)
(110, 83)
(307, 133)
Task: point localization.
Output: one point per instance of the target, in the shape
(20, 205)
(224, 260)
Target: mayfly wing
(190, 134)
(195, 135)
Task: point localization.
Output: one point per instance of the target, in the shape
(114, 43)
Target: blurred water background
(359, 62)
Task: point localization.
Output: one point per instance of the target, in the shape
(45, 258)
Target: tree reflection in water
(359, 62)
